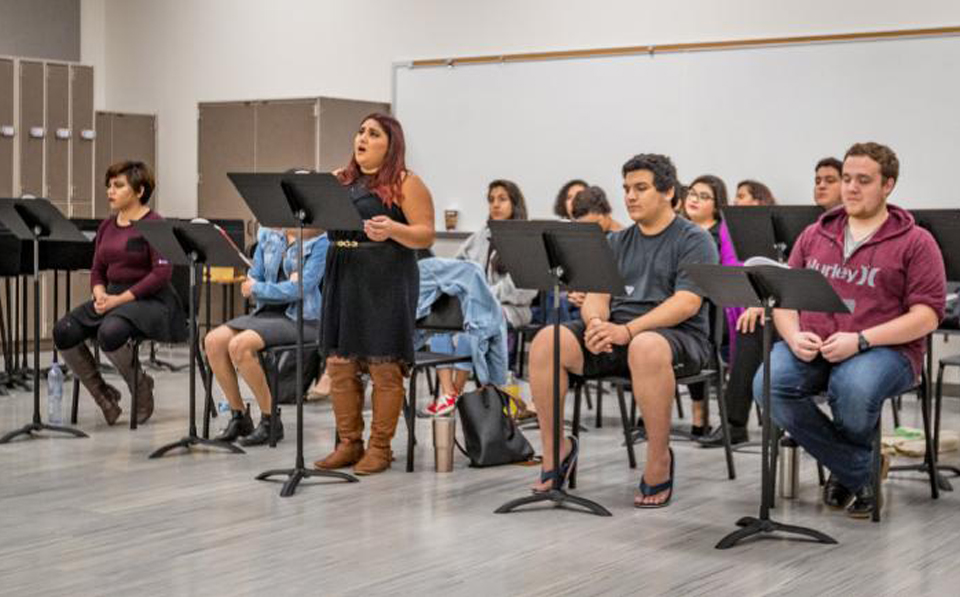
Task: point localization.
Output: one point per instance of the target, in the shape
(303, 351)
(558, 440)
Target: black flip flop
(647, 490)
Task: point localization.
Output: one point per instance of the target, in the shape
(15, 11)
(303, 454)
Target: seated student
(749, 334)
(705, 197)
(564, 200)
(505, 202)
(826, 189)
(233, 346)
(890, 273)
(132, 297)
(751, 192)
(660, 325)
(590, 205)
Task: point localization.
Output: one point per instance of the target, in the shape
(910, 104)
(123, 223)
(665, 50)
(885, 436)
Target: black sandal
(647, 490)
(566, 467)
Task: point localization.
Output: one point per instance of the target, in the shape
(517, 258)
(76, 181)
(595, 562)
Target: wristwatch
(862, 343)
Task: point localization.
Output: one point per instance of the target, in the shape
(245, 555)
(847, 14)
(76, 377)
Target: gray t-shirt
(650, 266)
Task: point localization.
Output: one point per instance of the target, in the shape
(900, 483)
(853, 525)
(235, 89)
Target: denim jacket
(483, 319)
(271, 250)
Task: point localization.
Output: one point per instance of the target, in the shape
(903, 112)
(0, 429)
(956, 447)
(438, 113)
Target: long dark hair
(560, 204)
(760, 191)
(719, 189)
(518, 211)
(387, 182)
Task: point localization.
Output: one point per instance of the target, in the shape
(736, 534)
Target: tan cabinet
(123, 136)
(8, 128)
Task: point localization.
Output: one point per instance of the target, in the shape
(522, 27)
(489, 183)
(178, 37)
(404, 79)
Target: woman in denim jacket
(233, 346)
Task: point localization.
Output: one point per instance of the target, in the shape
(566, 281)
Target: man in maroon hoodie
(890, 273)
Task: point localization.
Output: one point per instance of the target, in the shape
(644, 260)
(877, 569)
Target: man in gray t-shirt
(657, 331)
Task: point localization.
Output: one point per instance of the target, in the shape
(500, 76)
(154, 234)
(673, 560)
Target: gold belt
(347, 244)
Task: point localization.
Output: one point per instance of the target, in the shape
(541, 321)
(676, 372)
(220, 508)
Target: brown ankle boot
(128, 367)
(83, 365)
(346, 394)
(387, 403)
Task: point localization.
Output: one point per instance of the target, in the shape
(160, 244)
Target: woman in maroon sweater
(132, 297)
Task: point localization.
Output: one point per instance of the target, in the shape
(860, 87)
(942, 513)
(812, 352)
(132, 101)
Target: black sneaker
(864, 501)
(240, 424)
(261, 435)
(738, 435)
(836, 495)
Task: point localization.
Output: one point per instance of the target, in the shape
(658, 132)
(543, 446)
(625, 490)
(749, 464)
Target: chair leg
(633, 413)
(627, 427)
(577, 398)
(274, 400)
(938, 404)
(877, 463)
(599, 412)
(412, 418)
(775, 435)
(74, 409)
(679, 402)
(820, 476)
(895, 411)
(208, 406)
(136, 385)
(521, 340)
(724, 425)
(931, 455)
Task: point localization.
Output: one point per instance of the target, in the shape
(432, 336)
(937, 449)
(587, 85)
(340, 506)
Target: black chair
(446, 316)
(269, 360)
(181, 285)
(929, 465)
(713, 375)
(945, 362)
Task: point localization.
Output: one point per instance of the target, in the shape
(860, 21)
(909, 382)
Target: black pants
(748, 358)
(112, 333)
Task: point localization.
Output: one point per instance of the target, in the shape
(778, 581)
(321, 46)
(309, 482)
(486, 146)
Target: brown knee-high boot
(128, 368)
(387, 403)
(346, 394)
(83, 365)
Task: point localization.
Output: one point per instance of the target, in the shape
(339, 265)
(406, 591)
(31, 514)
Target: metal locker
(339, 121)
(226, 144)
(32, 128)
(83, 180)
(286, 135)
(103, 152)
(57, 155)
(8, 127)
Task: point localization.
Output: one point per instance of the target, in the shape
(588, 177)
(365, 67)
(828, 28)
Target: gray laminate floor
(96, 517)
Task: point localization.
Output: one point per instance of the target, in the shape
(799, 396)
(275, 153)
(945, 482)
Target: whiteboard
(764, 113)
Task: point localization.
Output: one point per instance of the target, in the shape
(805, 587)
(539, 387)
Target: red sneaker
(444, 405)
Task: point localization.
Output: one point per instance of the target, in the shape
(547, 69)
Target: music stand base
(295, 475)
(751, 526)
(942, 482)
(560, 499)
(31, 428)
(191, 440)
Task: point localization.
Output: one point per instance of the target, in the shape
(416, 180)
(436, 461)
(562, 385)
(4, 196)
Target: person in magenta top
(704, 199)
(890, 273)
(131, 297)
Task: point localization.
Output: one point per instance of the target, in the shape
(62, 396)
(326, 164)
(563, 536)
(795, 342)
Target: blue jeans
(855, 388)
(458, 344)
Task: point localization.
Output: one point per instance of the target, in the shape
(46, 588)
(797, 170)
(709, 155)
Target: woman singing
(370, 293)
(132, 297)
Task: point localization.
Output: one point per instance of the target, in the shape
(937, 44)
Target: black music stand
(556, 256)
(298, 201)
(193, 245)
(770, 287)
(768, 230)
(37, 220)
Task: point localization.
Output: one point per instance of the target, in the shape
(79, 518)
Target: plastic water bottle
(513, 389)
(223, 407)
(55, 394)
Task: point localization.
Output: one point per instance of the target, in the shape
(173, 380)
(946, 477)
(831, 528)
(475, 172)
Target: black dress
(370, 290)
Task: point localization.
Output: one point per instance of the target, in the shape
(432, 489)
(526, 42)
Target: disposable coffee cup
(443, 436)
(450, 217)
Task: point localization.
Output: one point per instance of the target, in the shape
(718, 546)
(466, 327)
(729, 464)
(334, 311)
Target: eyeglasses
(700, 196)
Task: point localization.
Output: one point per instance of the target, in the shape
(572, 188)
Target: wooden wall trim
(688, 47)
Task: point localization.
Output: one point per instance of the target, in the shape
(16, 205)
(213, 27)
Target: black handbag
(286, 371)
(490, 434)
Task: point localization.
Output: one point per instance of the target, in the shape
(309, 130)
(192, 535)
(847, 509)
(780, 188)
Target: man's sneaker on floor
(738, 435)
(444, 405)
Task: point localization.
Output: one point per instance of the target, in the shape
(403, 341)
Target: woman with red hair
(370, 293)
